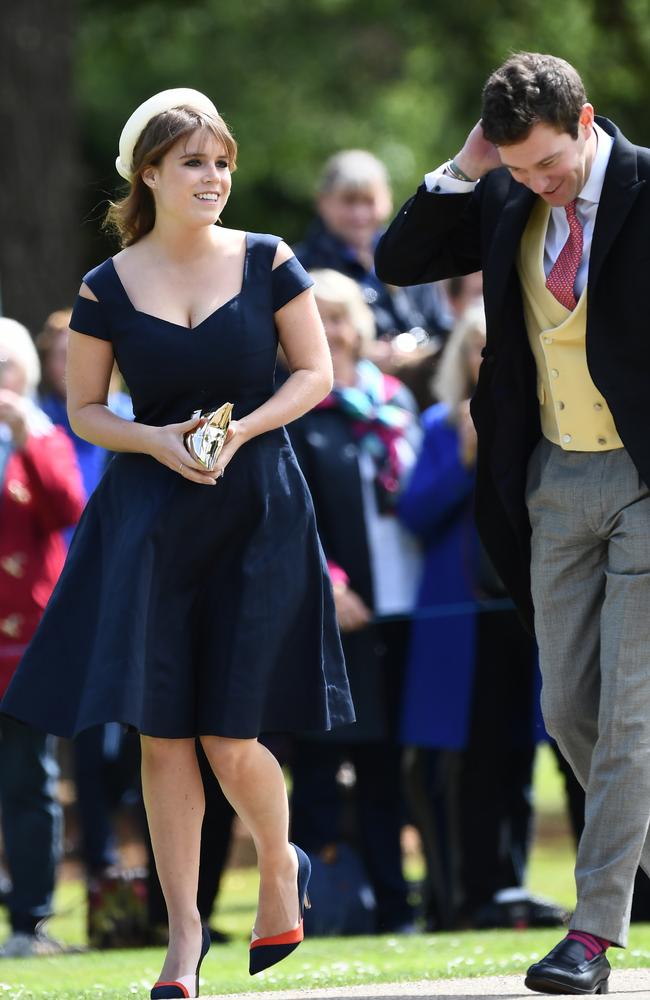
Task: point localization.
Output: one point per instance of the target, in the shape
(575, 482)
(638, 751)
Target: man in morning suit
(554, 205)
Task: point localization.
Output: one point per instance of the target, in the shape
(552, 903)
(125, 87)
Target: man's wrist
(453, 169)
(466, 165)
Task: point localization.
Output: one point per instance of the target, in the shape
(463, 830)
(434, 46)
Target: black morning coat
(437, 236)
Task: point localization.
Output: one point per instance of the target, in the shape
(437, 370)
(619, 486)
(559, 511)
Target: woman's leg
(215, 838)
(173, 796)
(253, 783)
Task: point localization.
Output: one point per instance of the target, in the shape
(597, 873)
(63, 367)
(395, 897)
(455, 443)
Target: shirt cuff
(438, 182)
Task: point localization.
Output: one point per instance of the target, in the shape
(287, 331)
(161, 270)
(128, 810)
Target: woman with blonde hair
(469, 692)
(195, 601)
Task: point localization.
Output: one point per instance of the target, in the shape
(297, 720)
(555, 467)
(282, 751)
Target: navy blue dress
(188, 610)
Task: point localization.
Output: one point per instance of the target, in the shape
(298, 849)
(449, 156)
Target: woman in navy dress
(194, 603)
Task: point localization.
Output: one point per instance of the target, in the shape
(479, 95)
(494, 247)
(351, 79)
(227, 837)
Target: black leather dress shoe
(566, 969)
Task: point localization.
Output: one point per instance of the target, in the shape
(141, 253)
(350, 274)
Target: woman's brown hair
(133, 216)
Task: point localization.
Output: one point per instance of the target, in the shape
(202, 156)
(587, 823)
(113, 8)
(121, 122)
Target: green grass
(325, 962)
(320, 962)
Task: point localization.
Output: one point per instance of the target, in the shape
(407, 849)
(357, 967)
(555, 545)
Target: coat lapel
(620, 190)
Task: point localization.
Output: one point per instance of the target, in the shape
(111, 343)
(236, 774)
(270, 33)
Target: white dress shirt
(557, 233)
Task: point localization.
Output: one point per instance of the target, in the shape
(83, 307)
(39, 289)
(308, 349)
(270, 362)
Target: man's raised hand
(478, 156)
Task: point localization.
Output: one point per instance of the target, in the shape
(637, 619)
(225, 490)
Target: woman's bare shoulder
(86, 293)
(282, 254)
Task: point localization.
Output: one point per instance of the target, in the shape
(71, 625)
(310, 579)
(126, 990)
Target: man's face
(553, 164)
(355, 214)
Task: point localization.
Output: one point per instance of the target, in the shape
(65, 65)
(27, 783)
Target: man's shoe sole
(545, 985)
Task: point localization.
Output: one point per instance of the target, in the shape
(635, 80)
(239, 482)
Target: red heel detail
(267, 951)
(289, 937)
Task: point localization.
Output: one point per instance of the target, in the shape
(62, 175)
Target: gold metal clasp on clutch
(205, 443)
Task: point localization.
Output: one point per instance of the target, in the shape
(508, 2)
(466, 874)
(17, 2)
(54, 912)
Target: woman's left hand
(235, 437)
(13, 413)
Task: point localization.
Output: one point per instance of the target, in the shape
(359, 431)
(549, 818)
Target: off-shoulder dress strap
(288, 279)
(92, 317)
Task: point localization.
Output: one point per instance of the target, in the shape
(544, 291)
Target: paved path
(625, 984)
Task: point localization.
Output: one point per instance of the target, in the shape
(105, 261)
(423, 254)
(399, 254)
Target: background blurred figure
(470, 682)
(40, 493)
(355, 449)
(462, 291)
(353, 202)
(52, 345)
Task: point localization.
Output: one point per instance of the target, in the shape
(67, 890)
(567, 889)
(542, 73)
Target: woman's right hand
(351, 611)
(166, 445)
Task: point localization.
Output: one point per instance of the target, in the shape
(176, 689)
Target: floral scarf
(378, 424)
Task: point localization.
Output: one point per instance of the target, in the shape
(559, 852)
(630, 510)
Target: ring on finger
(181, 467)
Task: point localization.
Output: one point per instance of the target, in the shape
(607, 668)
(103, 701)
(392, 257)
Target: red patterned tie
(562, 277)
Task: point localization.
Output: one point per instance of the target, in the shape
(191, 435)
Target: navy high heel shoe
(267, 951)
(184, 986)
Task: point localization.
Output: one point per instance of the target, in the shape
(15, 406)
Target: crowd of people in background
(444, 677)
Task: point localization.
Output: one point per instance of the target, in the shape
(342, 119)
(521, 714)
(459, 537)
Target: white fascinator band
(135, 126)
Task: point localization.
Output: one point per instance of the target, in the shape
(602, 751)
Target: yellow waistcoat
(574, 414)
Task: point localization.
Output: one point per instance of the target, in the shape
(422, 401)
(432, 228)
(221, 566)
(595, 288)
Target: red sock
(593, 944)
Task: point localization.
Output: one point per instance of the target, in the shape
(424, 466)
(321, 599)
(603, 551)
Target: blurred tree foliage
(300, 79)
(296, 79)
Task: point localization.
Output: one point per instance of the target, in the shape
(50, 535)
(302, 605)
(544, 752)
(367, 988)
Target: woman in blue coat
(469, 686)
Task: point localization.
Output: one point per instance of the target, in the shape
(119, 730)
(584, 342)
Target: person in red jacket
(40, 494)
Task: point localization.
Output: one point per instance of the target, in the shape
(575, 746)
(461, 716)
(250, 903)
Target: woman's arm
(89, 366)
(303, 341)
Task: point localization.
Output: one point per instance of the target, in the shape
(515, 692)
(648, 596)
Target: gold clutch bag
(205, 443)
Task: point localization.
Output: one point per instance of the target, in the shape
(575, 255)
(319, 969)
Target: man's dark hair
(530, 88)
